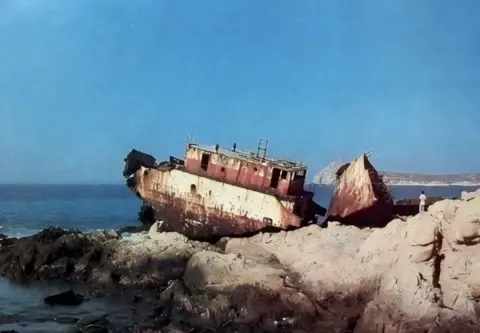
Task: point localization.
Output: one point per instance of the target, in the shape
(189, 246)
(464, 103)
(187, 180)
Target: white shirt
(422, 198)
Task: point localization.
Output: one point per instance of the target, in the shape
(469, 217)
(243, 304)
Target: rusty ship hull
(360, 198)
(185, 198)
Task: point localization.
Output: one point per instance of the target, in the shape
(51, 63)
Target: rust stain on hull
(361, 198)
(196, 220)
(202, 206)
(213, 224)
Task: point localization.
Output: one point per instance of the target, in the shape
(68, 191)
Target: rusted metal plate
(360, 197)
(245, 170)
(197, 214)
(204, 223)
(410, 206)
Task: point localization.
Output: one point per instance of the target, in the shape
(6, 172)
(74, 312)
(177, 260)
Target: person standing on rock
(423, 200)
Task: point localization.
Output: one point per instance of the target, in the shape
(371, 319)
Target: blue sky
(83, 82)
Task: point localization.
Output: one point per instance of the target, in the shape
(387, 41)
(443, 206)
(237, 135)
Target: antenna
(262, 147)
(188, 142)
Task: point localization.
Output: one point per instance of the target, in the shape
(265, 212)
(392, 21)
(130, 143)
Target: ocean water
(323, 192)
(26, 209)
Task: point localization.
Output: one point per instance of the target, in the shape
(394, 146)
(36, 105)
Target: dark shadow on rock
(377, 215)
(65, 298)
(7, 319)
(47, 255)
(249, 308)
(55, 253)
(410, 206)
(91, 324)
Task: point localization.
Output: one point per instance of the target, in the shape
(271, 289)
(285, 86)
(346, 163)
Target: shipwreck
(361, 197)
(217, 192)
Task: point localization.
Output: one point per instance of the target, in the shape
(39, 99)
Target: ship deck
(270, 191)
(286, 164)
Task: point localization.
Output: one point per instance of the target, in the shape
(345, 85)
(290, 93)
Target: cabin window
(275, 177)
(204, 162)
(222, 169)
(193, 189)
(255, 169)
(284, 174)
(300, 174)
(267, 221)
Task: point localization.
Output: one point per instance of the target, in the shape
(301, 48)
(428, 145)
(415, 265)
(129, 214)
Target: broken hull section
(410, 206)
(360, 198)
(194, 226)
(202, 208)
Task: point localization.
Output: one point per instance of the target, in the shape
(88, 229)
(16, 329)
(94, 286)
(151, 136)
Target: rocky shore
(414, 275)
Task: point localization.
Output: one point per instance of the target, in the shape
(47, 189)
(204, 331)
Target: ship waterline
(201, 207)
(214, 192)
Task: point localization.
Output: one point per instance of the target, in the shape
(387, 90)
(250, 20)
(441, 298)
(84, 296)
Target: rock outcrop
(414, 275)
(101, 259)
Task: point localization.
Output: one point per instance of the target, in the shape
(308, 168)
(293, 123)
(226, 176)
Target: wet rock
(99, 258)
(65, 298)
(92, 324)
(46, 255)
(4, 240)
(66, 320)
(7, 319)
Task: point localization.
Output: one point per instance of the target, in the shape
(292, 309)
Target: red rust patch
(359, 200)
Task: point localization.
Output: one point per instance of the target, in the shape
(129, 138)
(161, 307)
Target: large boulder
(50, 254)
(323, 258)
(230, 289)
(466, 196)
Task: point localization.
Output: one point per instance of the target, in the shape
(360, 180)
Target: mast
(262, 149)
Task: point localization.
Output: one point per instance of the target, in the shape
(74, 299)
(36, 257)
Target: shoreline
(312, 279)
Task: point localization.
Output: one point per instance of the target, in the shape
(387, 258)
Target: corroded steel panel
(410, 206)
(360, 197)
(243, 172)
(201, 207)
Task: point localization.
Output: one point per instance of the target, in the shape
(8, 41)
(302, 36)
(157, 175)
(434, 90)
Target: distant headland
(327, 176)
